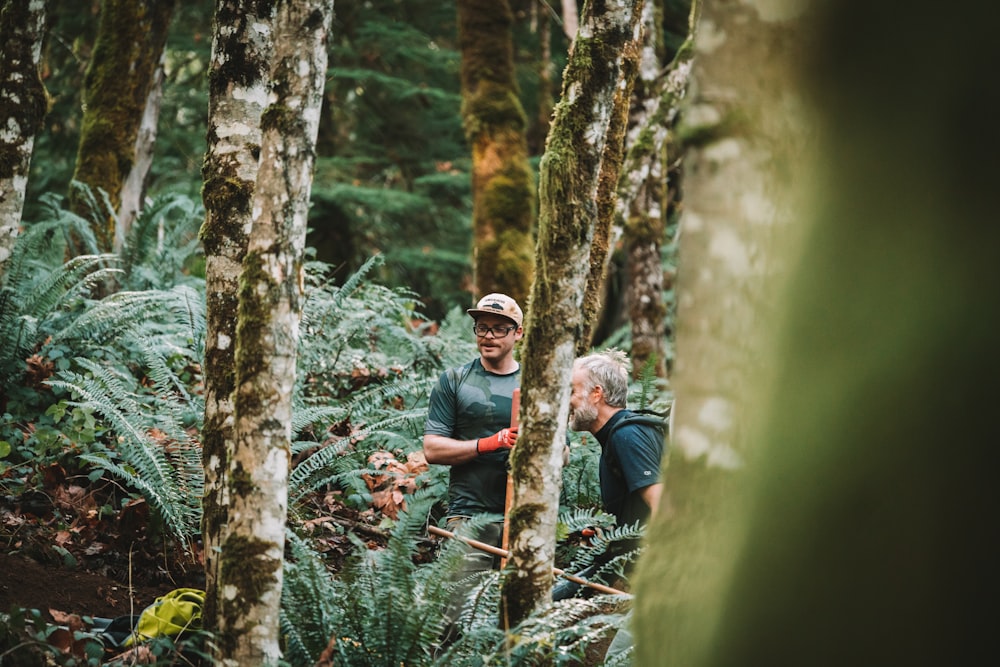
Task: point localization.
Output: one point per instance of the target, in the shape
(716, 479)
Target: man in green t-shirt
(468, 427)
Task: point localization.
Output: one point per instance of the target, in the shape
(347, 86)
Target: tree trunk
(570, 176)
(643, 194)
(610, 170)
(134, 185)
(130, 40)
(495, 125)
(570, 19)
(864, 539)
(241, 59)
(735, 165)
(22, 110)
(270, 309)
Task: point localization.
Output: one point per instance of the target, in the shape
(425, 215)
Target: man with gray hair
(631, 442)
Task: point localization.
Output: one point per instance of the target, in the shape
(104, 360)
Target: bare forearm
(448, 451)
(651, 494)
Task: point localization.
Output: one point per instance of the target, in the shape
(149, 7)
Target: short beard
(583, 418)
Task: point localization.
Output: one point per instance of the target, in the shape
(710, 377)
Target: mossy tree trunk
(22, 110)
(502, 184)
(864, 540)
(607, 197)
(131, 35)
(643, 199)
(270, 309)
(239, 72)
(570, 175)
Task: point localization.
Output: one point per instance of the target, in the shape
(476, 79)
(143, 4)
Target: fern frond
(310, 603)
(576, 519)
(166, 469)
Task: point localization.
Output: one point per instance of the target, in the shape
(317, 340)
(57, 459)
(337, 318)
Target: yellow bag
(169, 615)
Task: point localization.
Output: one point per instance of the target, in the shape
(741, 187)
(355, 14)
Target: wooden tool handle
(515, 408)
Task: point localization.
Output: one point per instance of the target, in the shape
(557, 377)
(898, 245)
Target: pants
(474, 562)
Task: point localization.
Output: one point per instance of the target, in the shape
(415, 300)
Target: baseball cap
(498, 304)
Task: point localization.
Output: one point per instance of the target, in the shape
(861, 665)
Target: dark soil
(28, 584)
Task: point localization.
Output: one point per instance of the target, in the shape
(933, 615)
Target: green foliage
(27, 640)
(382, 609)
(154, 451)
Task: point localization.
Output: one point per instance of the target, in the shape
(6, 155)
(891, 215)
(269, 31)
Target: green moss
(245, 565)
(241, 481)
(492, 108)
(521, 589)
(229, 200)
(28, 111)
(254, 321)
(286, 121)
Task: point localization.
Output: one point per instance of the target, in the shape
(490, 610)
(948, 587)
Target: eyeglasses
(498, 332)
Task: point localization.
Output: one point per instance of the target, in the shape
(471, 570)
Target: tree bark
(22, 110)
(134, 185)
(570, 176)
(862, 539)
(495, 125)
(239, 73)
(130, 40)
(643, 199)
(270, 309)
(736, 163)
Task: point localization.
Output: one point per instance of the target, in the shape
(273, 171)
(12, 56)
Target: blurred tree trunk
(542, 24)
(745, 139)
(134, 185)
(736, 164)
(570, 19)
(22, 110)
(130, 40)
(495, 125)
(863, 541)
(571, 172)
(270, 309)
(239, 73)
(643, 199)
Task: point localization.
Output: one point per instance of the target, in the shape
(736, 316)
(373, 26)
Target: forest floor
(60, 553)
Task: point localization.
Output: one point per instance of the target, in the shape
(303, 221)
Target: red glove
(502, 439)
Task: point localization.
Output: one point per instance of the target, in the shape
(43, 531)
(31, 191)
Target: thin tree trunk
(22, 110)
(570, 177)
(570, 19)
(130, 40)
(545, 98)
(495, 125)
(270, 309)
(643, 197)
(134, 186)
(611, 163)
(242, 43)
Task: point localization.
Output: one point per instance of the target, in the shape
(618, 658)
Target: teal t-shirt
(470, 402)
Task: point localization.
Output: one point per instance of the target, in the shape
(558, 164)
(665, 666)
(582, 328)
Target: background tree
(570, 176)
(644, 193)
(270, 308)
(22, 110)
(495, 125)
(873, 437)
(130, 40)
(392, 173)
(240, 68)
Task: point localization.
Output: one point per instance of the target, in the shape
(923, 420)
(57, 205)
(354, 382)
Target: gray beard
(583, 419)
